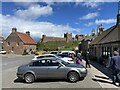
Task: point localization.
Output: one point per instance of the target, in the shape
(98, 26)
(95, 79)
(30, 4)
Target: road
(9, 78)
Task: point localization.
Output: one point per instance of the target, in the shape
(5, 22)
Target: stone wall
(53, 39)
(13, 47)
(18, 47)
(67, 38)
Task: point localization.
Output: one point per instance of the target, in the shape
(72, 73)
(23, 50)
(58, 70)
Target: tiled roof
(25, 38)
(101, 36)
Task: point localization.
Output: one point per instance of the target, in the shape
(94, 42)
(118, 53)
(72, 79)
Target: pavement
(101, 74)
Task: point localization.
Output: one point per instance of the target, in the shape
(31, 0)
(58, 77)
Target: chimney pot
(28, 33)
(14, 30)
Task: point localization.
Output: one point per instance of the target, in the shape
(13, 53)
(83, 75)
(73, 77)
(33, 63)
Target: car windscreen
(63, 62)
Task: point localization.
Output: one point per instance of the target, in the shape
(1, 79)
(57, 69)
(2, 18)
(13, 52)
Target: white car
(66, 59)
(2, 51)
(69, 52)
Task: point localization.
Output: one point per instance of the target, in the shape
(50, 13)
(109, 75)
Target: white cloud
(89, 16)
(34, 11)
(36, 28)
(89, 4)
(89, 24)
(25, 4)
(108, 21)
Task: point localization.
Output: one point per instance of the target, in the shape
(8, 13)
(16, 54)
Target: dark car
(47, 68)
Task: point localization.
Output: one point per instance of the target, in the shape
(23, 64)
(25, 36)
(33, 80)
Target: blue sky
(55, 19)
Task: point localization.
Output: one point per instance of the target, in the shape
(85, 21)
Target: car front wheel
(29, 78)
(73, 76)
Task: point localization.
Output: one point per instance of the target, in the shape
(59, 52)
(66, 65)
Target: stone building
(85, 41)
(19, 43)
(79, 37)
(1, 42)
(107, 41)
(67, 38)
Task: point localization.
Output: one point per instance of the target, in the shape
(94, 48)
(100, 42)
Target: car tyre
(73, 77)
(29, 78)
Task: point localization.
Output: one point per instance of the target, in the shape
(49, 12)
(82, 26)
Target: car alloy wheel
(29, 78)
(73, 76)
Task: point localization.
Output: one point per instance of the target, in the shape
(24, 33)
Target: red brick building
(19, 43)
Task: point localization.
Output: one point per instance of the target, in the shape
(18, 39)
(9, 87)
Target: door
(56, 70)
(39, 68)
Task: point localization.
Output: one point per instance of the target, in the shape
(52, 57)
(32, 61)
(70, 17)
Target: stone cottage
(19, 43)
(107, 41)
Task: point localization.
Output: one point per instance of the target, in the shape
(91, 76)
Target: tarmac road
(9, 78)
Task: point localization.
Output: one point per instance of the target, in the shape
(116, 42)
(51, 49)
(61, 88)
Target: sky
(57, 18)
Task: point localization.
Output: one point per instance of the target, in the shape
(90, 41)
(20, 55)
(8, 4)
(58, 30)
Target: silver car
(51, 68)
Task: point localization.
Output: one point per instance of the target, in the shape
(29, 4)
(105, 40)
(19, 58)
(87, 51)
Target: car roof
(45, 55)
(50, 58)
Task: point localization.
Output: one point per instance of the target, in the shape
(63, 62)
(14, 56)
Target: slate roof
(25, 38)
(102, 36)
(112, 36)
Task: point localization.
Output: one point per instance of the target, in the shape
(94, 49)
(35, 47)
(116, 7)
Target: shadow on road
(102, 68)
(43, 80)
(102, 77)
(100, 80)
(40, 80)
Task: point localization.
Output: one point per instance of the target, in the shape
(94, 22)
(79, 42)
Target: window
(8, 43)
(52, 63)
(17, 44)
(40, 57)
(49, 56)
(45, 63)
(12, 48)
(115, 48)
(36, 63)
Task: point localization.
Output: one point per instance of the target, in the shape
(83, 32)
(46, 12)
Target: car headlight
(82, 69)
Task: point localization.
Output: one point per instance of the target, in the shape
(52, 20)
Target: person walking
(115, 64)
(79, 58)
(87, 59)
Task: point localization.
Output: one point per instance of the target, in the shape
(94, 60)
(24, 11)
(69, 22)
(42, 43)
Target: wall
(13, 47)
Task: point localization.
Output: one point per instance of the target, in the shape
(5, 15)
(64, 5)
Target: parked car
(54, 52)
(51, 68)
(38, 53)
(66, 53)
(2, 51)
(69, 52)
(67, 59)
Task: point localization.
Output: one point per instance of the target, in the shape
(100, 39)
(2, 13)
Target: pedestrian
(87, 59)
(115, 64)
(79, 58)
(73, 58)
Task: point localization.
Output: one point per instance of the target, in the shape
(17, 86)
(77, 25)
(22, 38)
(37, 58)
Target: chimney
(118, 16)
(14, 30)
(28, 33)
(43, 36)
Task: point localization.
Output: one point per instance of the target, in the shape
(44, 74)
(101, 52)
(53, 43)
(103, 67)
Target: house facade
(19, 43)
(107, 41)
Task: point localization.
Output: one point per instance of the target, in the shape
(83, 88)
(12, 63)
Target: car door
(40, 68)
(55, 70)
